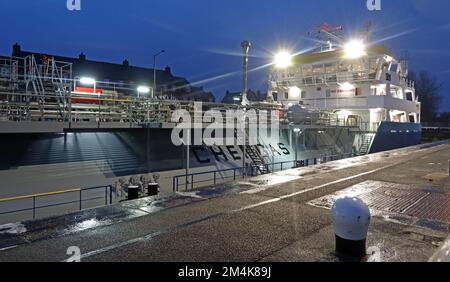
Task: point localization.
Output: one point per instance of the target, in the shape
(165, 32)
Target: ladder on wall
(258, 161)
(366, 142)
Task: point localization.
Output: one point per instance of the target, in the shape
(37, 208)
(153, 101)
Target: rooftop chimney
(126, 63)
(82, 57)
(17, 50)
(168, 70)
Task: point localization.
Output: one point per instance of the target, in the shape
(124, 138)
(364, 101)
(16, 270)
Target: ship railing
(337, 102)
(371, 127)
(324, 79)
(53, 203)
(192, 181)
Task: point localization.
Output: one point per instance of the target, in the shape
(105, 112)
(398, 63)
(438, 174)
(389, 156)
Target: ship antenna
(368, 26)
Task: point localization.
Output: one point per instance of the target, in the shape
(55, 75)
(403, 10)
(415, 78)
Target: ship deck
(278, 217)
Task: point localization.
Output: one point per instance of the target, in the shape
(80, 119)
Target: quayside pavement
(283, 216)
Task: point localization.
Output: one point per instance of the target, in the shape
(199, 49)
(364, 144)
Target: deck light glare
(143, 89)
(87, 81)
(354, 49)
(283, 60)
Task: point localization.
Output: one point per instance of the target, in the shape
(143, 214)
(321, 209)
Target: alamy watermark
(75, 254)
(374, 5)
(224, 128)
(73, 5)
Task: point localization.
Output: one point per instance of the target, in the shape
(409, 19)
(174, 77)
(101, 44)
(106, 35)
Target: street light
(143, 90)
(154, 71)
(283, 60)
(354, 49)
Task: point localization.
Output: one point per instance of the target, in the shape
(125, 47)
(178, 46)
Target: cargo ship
(60, 131)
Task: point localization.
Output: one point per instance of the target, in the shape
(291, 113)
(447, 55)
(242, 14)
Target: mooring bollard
(133, 192)
(152, 189)
(351, 218)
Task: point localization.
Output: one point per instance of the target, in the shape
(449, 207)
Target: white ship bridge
(362, 84)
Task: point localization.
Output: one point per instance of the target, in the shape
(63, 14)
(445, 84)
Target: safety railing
(68, 200)
(189, 181)
(194, 181)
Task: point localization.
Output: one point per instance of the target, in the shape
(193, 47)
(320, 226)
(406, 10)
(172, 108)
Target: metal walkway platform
(272, 217)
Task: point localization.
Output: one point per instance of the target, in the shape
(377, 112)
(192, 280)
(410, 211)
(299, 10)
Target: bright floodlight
(87, 81)
(354, 49)
(143, 89)
(283, 60)
(347, 86)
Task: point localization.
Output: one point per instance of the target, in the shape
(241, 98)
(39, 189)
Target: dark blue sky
(202, 37)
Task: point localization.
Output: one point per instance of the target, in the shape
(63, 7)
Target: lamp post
(245, 49)
(297, 133)
(154, 72)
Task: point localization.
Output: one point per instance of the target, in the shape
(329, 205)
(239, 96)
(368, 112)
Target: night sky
(202, 37)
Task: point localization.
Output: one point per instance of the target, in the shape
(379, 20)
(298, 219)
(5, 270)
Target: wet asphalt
(266, 218)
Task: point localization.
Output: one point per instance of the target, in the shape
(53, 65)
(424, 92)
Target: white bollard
(351, 219)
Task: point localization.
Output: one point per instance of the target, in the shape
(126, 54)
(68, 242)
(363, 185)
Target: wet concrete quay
(283, 216)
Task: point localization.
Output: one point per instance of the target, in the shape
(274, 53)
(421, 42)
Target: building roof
(104, 71)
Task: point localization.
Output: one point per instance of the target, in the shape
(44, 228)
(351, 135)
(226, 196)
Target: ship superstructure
(362, 83)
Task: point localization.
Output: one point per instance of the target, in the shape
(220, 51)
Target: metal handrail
(189, 179)
(108, 196)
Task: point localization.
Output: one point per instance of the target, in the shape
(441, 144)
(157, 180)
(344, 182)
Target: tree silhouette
(427, 89)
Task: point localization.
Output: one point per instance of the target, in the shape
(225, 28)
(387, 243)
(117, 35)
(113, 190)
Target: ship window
(307, 71)
(409, 96)
(358, 92)
(330, 68)
(318, 69)
(328, 93)
(343, 67)
(303, 94)
(388, 77)
(275, 96)
(373, 91)
(286, 95)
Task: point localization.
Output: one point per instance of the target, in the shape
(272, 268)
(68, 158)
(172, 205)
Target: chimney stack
(82, 57)
(17, 50)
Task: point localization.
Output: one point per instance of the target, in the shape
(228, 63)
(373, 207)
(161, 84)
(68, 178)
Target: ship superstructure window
(378, 90)
(388, 77)
(307, 71)
(318, 69)
(409, 96)
(396, 92)
(330, 68)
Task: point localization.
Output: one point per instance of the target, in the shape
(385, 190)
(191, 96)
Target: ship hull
(393, 135)
(46, 162)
